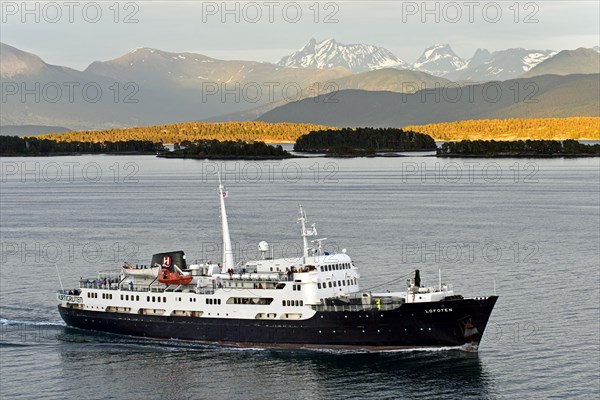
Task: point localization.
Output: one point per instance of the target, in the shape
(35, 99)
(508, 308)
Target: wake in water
(16, 322)
(26, 333)
(469, 348)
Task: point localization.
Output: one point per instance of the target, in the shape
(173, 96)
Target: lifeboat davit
(173, 278)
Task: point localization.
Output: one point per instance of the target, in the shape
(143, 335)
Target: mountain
(145, 87)
(554, 96)
(439, 60)
(391, 79)
(580, 61)
(29, 130)
(480, 56)
(353, 57)
(17, 62)
(194, 86)
(388, 79)
(40, 94)
(500, 65)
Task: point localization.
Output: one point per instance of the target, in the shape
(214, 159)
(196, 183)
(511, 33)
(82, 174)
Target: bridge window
(319, 285)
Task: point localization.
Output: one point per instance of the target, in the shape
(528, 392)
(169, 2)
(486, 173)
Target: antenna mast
(306, 232)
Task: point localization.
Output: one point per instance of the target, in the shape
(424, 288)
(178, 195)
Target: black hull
(440, 324)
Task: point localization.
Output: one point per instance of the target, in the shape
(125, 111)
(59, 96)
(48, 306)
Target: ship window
(288, 302)
(329, 284)
(301, 302)
(158, 299)
(339, 283)
(137, 298)
(153, 299)
(283, 302)
(334, 284)
(321, 268)
(164, 299)
(147, 298)
(319, 285)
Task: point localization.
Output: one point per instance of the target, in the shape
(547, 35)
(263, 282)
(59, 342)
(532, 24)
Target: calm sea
(527, 229)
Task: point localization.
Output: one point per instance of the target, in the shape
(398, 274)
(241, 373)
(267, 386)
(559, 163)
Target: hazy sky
(75, 33)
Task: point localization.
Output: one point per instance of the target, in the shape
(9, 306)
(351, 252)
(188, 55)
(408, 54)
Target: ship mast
(306, 232)
(227, 250)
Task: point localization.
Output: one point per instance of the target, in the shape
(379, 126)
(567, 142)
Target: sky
(76, 33)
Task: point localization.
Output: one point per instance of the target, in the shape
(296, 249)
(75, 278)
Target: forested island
(247, 131)
(229, 149)
(576, 128)
(518, 148)
(363, 141)
(33, 146)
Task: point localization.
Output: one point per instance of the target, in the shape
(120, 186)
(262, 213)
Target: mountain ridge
(354, 57)
(552, 96)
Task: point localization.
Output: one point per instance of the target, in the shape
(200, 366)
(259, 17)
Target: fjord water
(527, 228)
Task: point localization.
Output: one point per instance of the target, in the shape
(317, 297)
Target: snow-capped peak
(354, 57)
(439, 60)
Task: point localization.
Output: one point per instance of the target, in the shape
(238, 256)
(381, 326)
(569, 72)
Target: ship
(312, 301)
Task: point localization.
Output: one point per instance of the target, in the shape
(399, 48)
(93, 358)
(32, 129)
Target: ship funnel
(417, 278)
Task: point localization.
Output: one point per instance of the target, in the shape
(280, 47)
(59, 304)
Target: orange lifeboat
(173, 278)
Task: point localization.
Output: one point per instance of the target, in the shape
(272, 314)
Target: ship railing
(96, 284)
(357, 307)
